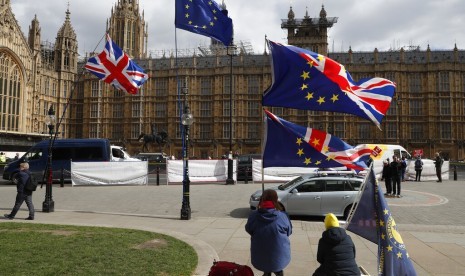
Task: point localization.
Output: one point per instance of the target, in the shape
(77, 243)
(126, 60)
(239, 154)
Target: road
(427, 203)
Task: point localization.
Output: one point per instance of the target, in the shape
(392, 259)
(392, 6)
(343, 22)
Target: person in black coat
(396, 175)
(387, 177)
(22, 194)
(336, 251)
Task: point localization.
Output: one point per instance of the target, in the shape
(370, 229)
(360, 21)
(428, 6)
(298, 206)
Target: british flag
(291, 145)
(306, 80)
(114, 66)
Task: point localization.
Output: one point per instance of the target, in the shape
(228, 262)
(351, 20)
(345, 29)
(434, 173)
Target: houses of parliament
(428, 111)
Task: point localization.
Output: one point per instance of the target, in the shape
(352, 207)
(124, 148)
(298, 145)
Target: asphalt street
(427, 202)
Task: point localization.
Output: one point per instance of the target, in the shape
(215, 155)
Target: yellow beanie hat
(331, 221)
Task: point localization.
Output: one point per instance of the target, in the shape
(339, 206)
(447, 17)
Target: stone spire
(128, 29)
(66, 46)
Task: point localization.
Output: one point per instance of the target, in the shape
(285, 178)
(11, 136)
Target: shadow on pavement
(308, 218)
(240, 213)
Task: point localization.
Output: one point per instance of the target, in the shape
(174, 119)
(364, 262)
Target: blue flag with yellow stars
(306, 80)
(291, 145)
(373, 221)
(204, 17)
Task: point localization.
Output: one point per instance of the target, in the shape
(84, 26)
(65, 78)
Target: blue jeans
(20, 198)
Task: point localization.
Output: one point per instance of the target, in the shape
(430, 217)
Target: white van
(385, 152)
(118, 154)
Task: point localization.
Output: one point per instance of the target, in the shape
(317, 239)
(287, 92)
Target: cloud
(363, 24)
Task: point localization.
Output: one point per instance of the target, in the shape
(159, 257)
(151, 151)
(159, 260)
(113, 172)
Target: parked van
(385, 152)
(155, 157)
(64, 150)
(119, 154)
(244, 166)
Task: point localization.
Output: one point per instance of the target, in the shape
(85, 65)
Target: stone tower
(66, 52)
(34, 35)
(128, 29)
(309, 33)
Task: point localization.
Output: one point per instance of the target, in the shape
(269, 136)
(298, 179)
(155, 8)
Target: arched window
(10, 93)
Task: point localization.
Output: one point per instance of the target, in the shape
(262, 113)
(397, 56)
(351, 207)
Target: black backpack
(31, 183)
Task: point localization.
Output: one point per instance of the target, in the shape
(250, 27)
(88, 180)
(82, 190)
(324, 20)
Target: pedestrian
(16, 156)
(269, 228)
(336, 251)
(418, 168)
(22, 194)
(438, 161)
(386, 175)
(403, 165)
(2, 157)
(369, 161)
(396, 172)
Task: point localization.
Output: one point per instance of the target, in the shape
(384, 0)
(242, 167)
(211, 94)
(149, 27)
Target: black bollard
(455, 172)
(158, 175)
(62, 178)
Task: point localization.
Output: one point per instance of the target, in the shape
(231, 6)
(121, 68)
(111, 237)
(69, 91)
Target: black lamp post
(231, 51)
(186, 119)
(49, 205)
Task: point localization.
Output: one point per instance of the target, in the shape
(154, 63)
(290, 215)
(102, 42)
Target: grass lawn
(40, 249)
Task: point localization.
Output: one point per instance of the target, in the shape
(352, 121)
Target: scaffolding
(245, 48)
(48, 53)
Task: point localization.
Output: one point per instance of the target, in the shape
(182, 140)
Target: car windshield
(243, 159)
(290, 183)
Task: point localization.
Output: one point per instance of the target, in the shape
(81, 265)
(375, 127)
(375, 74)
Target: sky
(362, 24)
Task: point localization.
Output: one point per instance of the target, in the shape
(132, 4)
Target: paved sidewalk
(436, 249)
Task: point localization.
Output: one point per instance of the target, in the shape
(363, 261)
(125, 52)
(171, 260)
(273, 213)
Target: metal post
(62, 178)
(399, 117)
(455, 172)
(48, 205)
(158, 174)
(230, 52)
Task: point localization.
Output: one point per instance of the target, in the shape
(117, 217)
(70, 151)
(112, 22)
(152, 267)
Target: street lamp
(49, 205)
(231, 51)
(186, 119)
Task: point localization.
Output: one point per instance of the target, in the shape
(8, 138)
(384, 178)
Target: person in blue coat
(22, 193)
(336, 251)
(269, 228)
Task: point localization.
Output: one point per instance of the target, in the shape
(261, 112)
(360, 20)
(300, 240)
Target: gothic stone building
(427, 113)
(34, 75)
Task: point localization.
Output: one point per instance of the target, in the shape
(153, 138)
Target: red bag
(223, 268)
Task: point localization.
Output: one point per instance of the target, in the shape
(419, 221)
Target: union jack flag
(306, 80)
(114, 66)
(291, 145)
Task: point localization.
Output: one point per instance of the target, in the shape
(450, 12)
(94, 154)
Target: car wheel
(347, 212)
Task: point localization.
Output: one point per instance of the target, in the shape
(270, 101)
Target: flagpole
(358, 197)
(49, 205)
(265, 130)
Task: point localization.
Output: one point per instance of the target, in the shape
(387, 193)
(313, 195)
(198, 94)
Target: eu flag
(373, 220)
(291, 145)
(204, 17)
(306, 80)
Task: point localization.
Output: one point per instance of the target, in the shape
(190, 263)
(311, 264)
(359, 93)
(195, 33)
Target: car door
(305, 199)
(335, 197)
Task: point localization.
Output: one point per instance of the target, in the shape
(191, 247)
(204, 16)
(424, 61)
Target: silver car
(316, 194)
